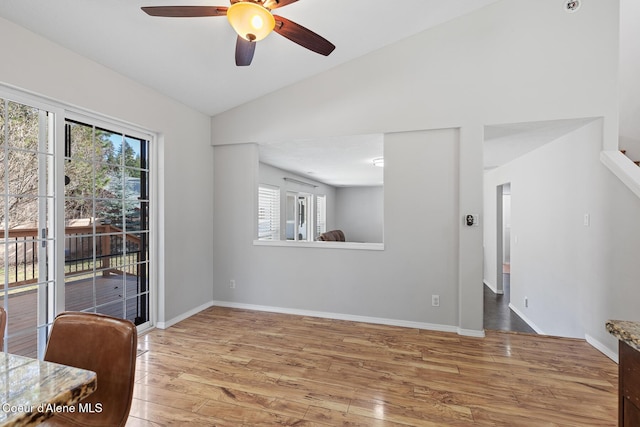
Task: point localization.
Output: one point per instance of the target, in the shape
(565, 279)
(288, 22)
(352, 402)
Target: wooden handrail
(106, 231)
(76, 229)
(20, 232)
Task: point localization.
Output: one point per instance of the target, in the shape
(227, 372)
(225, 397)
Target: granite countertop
(32, 390)
(626, 331)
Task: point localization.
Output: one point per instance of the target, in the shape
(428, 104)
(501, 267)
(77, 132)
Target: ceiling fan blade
(244, 51)
(303, 36)
(274, 4)
(185, 11)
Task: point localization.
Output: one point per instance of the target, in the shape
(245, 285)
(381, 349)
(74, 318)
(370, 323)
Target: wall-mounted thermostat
(471, 220)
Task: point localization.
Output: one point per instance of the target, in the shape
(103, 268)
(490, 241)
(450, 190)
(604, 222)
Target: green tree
(93, 168)
(19, 134)
(86, 168)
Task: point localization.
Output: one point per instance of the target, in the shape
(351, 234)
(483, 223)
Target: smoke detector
(572, 6)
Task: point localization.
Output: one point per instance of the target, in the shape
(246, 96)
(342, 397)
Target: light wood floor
(229, 367)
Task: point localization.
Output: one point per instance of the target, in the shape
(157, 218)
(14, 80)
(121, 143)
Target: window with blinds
(268, 213)
(321, 214)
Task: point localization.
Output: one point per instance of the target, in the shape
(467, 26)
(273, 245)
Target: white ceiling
(504, 143)
(339, 161)
(192, 59)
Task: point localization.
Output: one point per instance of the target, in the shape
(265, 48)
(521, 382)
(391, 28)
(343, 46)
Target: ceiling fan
(253, 21)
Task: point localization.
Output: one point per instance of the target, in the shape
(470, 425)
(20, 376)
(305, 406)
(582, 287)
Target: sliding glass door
(74, 221)
(106, 222)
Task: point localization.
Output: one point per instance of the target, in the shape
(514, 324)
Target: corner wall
(34, 64)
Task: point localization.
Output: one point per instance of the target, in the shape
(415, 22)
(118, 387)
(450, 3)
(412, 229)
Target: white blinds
(268, 213)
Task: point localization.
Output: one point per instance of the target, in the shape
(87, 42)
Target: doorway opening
(497, 313)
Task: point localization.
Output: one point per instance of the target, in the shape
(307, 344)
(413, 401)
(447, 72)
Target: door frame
(500, 249)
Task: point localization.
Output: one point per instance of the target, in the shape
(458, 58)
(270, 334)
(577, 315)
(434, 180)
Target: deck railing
(113, 251)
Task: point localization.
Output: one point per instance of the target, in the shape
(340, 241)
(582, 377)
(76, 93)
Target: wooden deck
(79, 296)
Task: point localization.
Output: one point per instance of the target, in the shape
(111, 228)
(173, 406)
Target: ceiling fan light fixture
(250, 20)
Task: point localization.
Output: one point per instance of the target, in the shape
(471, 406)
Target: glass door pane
(106, 222)
(26, 225)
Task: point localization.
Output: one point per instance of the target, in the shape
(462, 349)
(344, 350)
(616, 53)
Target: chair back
(105, 345)
(332, 236)
(3, 326)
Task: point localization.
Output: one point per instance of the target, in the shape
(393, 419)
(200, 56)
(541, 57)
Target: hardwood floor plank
(230, 367)
(159, 414)
(249, 416)
(163, 390)
(327, 417)
(410, 411)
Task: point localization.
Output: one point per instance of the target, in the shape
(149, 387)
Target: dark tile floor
(497, 314)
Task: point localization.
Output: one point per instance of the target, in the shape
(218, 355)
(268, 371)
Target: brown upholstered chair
(105, 345)
(3, 326)
(332, 236)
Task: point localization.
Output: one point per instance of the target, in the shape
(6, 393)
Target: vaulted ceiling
(192, 59)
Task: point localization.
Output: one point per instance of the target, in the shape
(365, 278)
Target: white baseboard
(527, 320)
(493, 288)
(602, 348)
(471, 333)
(490, 285)
(171, 322)
(353, 318)
(591, 340)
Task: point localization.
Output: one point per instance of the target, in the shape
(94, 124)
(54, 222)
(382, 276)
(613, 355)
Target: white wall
(576, 277)
(34, 64)
(497, 65)
(360, 213)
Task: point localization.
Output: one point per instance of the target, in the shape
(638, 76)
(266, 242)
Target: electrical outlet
(435, 300)
(232, 284)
